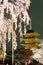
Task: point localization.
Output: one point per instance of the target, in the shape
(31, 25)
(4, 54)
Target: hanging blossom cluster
(16, 8)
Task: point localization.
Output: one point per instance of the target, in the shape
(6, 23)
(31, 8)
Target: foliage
(1, 51)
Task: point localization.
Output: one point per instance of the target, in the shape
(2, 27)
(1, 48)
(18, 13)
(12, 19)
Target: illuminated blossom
(15, 8)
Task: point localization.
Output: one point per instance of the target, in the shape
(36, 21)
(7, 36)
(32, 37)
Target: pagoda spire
(30, 24)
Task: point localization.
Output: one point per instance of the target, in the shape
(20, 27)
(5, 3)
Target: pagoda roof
(27, 46)
(31, 40)
(31, 33)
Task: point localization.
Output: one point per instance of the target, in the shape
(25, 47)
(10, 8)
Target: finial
(30, 24)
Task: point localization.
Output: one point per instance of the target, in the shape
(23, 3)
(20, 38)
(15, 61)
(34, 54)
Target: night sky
(36, 15)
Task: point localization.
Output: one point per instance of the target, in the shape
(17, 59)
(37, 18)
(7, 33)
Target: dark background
(36, 15)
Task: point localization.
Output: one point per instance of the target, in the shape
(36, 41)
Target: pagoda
(30, 39)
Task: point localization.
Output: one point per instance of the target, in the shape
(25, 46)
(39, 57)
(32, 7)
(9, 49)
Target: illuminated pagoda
(30, 39)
